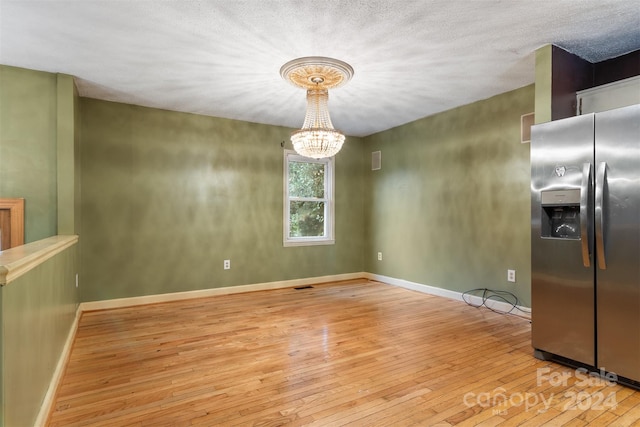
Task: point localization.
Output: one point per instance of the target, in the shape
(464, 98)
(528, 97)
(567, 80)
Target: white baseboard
(446, 293)
(151, 299)
(176, 296)
(50, 395)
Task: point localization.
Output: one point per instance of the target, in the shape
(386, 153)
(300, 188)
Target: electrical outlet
(511, 276)
(379, 256)
(227, 264)
(76, 280)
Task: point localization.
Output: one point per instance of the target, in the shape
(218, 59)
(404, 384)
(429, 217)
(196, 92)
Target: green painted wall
(167, 196)
(38, 310)
(543, 84)
(450, 206)
(77, 165)
(39, 142)
(67, 140)
(28, 132)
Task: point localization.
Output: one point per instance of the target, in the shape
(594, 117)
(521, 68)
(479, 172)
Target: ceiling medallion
(317, 138)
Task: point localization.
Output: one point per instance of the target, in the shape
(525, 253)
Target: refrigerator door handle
(585, 192)
(601, 179)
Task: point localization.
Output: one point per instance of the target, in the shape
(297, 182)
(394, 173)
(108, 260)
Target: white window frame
(329, 206)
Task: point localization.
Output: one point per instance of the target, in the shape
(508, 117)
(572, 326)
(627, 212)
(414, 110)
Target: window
(308, 200)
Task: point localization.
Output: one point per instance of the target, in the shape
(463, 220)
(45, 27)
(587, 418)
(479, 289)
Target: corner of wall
(543, 84)
(65, 148)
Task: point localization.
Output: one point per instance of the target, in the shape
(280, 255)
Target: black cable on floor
(492, 295)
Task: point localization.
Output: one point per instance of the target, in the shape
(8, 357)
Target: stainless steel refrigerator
(585, 241)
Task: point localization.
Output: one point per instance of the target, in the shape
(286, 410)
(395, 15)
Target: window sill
(293, 243)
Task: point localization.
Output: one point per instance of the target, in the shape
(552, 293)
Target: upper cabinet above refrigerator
(608, 97)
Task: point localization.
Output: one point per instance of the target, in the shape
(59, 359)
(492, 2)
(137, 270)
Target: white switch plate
(511, 276)
(227, 264)
(379, 256)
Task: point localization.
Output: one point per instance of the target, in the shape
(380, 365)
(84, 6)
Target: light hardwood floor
(353, 353)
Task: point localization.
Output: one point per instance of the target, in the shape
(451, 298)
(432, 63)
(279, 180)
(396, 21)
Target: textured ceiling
(222, 58)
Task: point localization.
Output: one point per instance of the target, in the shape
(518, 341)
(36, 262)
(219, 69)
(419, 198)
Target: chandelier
(317, 138)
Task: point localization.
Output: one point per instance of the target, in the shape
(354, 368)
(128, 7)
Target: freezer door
(562, 276)
(618, 240)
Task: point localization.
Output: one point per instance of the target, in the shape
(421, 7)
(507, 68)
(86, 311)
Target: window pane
(306, 179)
(306, 219)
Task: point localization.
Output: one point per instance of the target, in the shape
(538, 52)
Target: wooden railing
(17, 261)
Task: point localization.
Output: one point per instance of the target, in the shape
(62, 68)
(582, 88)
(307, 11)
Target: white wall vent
(526, 121)
(376, 160)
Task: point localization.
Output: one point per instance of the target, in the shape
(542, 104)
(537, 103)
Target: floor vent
(303, 287)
